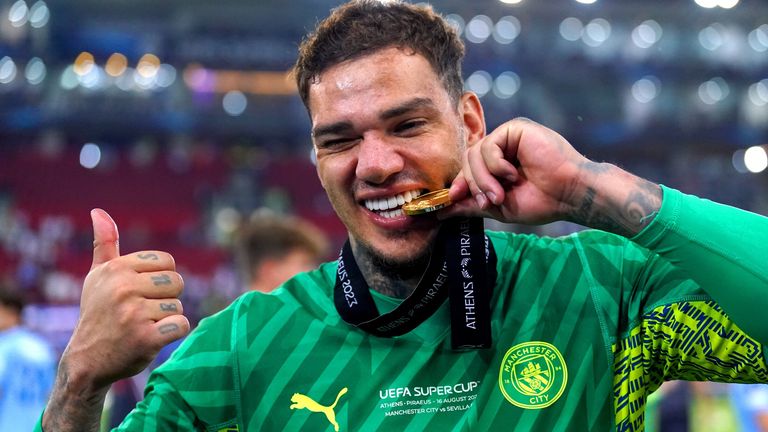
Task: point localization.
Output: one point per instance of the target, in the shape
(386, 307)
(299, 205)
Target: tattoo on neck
(390, 279)
(389, 287)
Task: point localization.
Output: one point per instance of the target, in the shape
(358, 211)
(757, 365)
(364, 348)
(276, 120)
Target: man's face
(274, 271)
(383, 127)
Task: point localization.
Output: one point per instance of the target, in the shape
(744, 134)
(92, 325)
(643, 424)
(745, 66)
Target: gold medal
(428, 202)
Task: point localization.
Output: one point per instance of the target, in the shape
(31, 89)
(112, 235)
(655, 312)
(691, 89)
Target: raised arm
(523, 172)
(128, 310)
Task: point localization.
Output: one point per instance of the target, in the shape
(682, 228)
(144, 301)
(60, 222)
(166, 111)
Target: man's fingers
(461, 197)
(148, 261)
(161, 284)
(106, 240)
(170, 328)
(476, 174)
(160, 309)
(497, 163)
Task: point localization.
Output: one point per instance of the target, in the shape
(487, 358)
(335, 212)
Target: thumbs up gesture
(129, 309)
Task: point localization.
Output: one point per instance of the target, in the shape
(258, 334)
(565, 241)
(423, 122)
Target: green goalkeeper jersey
(584, 328)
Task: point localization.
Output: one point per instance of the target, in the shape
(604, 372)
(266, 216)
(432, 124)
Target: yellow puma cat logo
(301, 401)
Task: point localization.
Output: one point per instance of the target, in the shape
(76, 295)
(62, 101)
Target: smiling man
(381, 140)
(429, 322)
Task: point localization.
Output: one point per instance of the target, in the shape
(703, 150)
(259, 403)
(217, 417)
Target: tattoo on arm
(72, 412)
(587, 215)
(626, 219)
(643, 204)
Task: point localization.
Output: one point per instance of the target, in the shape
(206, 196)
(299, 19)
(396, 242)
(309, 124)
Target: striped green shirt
(584, 328)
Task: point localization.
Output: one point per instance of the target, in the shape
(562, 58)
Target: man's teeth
(390, 207)
(391, 213)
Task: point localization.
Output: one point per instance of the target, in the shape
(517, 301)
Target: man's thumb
(106, 240)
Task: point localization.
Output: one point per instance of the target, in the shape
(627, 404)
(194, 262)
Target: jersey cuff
(666, 219)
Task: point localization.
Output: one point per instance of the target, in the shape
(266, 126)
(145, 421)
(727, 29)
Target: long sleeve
(722, 248)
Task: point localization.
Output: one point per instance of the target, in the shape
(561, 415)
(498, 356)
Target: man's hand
(523, 172)
(129, 310)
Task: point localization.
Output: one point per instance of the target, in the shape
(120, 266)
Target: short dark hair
(361, 27)
(11, 297)
(268, 235)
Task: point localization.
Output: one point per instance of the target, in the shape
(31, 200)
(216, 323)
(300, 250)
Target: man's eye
(409, 125)
(338, 142)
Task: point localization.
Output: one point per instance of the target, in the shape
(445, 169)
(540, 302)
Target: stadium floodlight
(756, 159)
(709, 4)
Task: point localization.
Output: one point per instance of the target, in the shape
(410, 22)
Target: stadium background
(178, 117)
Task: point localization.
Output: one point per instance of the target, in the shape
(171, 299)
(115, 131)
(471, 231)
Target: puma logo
(301, 401)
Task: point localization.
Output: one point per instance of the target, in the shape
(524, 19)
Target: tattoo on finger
(161, 280)
(168, 328)
(168, 307)
(148, 256)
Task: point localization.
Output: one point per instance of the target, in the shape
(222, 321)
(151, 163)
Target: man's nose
(378, 158)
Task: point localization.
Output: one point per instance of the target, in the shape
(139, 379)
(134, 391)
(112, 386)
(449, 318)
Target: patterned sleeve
(690, 340)
(670, 299)
(723, 249)
(669, 328)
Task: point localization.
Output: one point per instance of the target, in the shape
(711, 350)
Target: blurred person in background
(270, 248)
(667, 408)
(27, 366)
(567, 333)
(750, 402)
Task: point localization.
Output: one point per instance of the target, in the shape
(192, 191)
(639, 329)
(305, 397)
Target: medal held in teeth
(428, 202)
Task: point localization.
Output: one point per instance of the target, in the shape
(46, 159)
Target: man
(27, 366)
(567, 334)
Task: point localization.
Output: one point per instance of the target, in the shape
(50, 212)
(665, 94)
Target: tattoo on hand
(595, 167)
(168, 307)
(161, 280)
(168, 328)
(148, 256)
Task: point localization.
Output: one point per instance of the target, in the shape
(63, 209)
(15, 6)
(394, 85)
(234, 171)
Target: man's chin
(398, 262)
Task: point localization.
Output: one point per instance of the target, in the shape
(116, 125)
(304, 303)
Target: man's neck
(390, 280)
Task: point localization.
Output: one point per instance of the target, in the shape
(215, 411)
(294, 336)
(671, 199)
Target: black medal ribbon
(462, 267)
(471, 291)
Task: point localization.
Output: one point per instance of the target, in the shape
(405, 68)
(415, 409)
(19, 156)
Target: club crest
(533, 375)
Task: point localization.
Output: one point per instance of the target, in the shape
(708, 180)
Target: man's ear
(473, 118)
